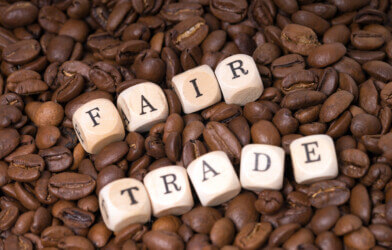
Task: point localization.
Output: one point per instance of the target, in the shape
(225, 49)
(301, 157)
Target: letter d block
(97, 124)
(313, 159)
(169, 191)
(142, 106)
(124, 202)
(239, 79)
(197, 89)
(262, 167)
(214, 178)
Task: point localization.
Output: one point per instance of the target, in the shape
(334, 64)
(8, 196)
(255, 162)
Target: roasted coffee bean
(201, 219)
(26, 168)
(76, 218)
(327, 193)
(354, 163)
(299, 39)
(189, 33)
(8, 217)
(253, 235)
(57, 158)
(71, 186)
(162, 240)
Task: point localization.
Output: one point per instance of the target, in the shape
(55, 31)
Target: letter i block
(262, 167)
(169, 191)
(214, 178)
(97, 123)
(239, 79)
(124, 202)
(142, 106)
(313, 158)
(197, 89)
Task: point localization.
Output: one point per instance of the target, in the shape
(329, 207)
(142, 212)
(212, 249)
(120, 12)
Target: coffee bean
(8, 216)
(57, 158)
(299, 39)
(26, 168)
(71, 186)
(189, 33)
(327, 193)
(162, 239)
(253, 235)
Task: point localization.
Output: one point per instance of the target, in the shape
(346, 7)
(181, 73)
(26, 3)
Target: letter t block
(97, 123)
(214, 178)
(124, 202)
(313, 159)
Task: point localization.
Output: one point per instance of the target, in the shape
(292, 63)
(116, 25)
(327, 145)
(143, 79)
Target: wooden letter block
(313, 158)
(124, 202)
(142, 106)
(262, 167)
(97, 124)
(214, 178)
(239, 79)
(197, 89)
(169, 191)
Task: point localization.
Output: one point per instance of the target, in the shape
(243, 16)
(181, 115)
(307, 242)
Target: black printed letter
(94, 116)
(147, 104)
(171, 182)
(129, 191)
(239, 67)
(198, 94)
(267, 165)
(205, 164)
(308, 152)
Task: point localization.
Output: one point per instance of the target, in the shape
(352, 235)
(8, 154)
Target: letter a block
(214, 178)
(142, 106)
(262, 167)
(169, 191)
(197, 89)
(124, 202)
(313, 158)
(97, 123)
(239, 79)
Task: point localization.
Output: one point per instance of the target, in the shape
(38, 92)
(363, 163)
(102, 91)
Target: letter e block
(197, 89)
(97, 123)
(142, 106)
(313, 159)
(239, 79)
(262, 167)
(124, 202)
(169, 191)
(214, 178)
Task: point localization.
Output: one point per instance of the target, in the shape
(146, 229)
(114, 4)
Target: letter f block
(313, 159)
(97, 123)
(214, 178)
(262, 167)
(169, 191)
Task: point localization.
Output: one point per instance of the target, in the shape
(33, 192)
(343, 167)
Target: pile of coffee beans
(325, 67)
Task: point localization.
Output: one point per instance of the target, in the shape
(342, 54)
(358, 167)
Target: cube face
(197, 89)
(169, 191)
(239, 79)
(262, 167)
(142, 106)
(123, 202)
(313, 158)
(214, 178)
(97, 124)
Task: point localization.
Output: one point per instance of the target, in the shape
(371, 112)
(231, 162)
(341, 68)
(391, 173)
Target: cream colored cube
(239, 79)
(313, 158)
(97, 123)
(124, 202)
(142, 106)
(169, 191)
(262, 167)
(214, 178)
(197, 89)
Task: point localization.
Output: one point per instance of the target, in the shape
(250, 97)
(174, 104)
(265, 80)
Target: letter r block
(262, 167)
(169, 191)
(142, 106)
(97, 123)
(214, 178)
(313, 159)
(197, 89)
(239, 79)
(124, 202)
